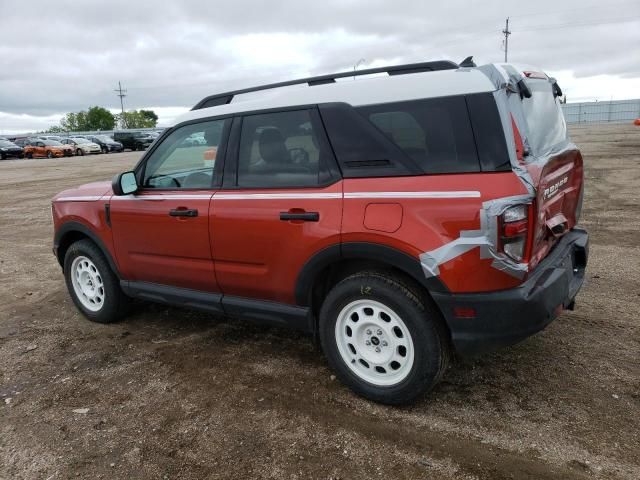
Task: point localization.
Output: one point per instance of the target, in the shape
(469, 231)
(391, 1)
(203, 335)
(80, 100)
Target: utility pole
(358, 63)
(121, 93)
(506, 39)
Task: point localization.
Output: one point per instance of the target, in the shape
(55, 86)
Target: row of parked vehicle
(52, 146)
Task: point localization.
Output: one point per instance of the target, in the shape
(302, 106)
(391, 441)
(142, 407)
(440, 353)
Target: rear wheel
(49, 154)
(93, 286)
(3, 156)
(384, 341)
(29, 155)
(79, 152)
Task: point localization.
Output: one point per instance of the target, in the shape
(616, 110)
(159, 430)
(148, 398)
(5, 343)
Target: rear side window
(435, 133)
(281, 150)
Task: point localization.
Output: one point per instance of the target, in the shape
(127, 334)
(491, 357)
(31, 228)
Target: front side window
(279, 150)
(186, 158)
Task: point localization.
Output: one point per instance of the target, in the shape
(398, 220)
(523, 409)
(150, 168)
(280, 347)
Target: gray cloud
(65, 56)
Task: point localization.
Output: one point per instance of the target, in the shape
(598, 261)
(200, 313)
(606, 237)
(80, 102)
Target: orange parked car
(47, 148)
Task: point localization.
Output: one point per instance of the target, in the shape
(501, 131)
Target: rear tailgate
(558, 201)
(555, 168)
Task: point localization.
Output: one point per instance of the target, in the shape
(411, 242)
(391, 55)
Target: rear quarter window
(488, 133)
(435, 133)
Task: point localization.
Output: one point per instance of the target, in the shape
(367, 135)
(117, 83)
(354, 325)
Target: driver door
(161, 233)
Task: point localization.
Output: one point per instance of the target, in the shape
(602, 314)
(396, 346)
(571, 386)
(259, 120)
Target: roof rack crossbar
(227, 97)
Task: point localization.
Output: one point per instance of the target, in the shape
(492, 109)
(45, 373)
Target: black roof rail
(224, 98)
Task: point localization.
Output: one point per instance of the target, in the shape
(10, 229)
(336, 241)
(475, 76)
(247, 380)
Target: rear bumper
(509, 316)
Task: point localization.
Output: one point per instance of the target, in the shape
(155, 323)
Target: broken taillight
(514, 231)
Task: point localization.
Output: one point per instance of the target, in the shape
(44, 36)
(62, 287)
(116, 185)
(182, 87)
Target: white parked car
(82, 146)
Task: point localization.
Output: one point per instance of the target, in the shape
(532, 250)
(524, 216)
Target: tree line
(99, 118)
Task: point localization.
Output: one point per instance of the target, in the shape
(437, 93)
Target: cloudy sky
(60, 56)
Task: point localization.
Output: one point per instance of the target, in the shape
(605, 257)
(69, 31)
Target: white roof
(364, 90)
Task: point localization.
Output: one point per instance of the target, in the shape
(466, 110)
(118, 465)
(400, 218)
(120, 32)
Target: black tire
(116, 303)
(105, 150)
(49, 154)
(79, 152)
(422, 319)
(29, 155)
(3, 156)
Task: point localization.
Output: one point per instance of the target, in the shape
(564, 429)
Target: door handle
(304, 216)
(183, 212)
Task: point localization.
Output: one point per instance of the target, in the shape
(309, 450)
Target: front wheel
(93, 286)
(383, 341)
(79, 152)
(49, 154)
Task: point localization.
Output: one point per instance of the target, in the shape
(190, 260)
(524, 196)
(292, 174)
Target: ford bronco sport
(398, 218)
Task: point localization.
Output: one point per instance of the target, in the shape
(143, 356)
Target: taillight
(514, 231)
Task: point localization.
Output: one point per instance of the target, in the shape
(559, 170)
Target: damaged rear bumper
(509, 316)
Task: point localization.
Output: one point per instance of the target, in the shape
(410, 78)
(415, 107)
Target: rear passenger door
(281, 202)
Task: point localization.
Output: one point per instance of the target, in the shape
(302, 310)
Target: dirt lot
(178, 394)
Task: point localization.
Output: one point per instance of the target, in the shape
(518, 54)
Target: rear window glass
(435, 133)
(545, 122)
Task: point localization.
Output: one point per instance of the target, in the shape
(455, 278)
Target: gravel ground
(170, 393)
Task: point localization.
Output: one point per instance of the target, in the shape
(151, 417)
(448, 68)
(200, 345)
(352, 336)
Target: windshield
(52, 143)
(5, 143)
(80, 140)
(547, 127)
(104, 138)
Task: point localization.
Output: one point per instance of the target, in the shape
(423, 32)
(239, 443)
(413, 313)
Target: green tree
(150, 116)
(138, 119)
(55, 129)
(99, 118)
(96, 118)
(73, 122)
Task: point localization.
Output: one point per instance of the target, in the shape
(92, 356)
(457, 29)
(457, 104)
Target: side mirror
(124, 183)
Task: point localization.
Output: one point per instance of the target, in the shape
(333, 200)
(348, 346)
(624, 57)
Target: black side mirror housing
(124, 183)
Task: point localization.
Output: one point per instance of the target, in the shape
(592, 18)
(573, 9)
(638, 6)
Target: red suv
(398, 218)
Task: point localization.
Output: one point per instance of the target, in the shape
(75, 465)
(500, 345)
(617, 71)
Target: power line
(579, 24)
(577, 9)
(121, 93)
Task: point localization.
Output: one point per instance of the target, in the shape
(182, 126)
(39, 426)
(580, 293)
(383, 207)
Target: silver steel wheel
(374, 342)
(87, 283)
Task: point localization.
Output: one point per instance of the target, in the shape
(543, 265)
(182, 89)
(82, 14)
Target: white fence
(602, 112)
